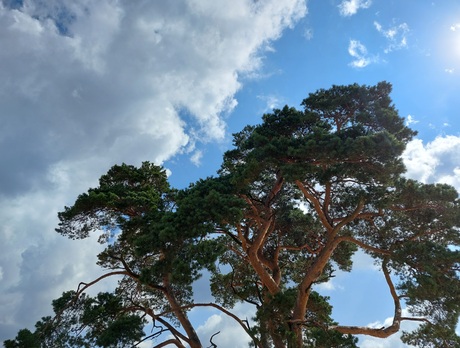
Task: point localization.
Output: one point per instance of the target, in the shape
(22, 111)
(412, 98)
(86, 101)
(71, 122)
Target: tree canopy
(294, 199)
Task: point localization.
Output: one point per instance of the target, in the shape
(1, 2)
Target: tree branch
(350, 217)
(384, 331)
(87, 285)
(177, 343)
(210, 340)
(230, 314)
(364, 245)
(316, 204)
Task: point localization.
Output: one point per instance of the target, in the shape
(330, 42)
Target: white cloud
(329, 286)
(455, 27)
(85, 85)
(436, 161)
(449, 70)
(395, 34)
(308, 34)
(231, 334)
(271, 102)
(410, 120)
(196, 158)
(359, 52)
(350, 7)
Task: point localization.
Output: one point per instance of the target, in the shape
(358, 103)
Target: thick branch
(259, 267)
(311, 276)
(364, 330)
(316, 204)
(193, 339)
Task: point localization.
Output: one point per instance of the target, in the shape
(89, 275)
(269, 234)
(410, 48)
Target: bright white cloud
(85, 85)
(358, 52)
(435, 162)
(395, 34)
(350, 7)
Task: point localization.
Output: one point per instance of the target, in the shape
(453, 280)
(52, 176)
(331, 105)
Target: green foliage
(153, 240)
(83, 322)
(298, 195)
(24, 339)
(340, 160)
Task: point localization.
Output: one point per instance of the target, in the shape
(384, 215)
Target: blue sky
(85, 85)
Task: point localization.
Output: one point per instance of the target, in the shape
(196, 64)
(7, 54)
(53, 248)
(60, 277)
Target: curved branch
(378, 332)
(364, 245)
(350, 217)
(177, 343)
(87, 285)
(425, 320)
(178, 335)
(236, 292)
(210, 340)
(316, 204)
(230, 314)
(305, 246)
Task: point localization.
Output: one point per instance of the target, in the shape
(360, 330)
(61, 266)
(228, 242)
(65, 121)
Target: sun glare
(454, 43)
(448, 48)
(454, 40)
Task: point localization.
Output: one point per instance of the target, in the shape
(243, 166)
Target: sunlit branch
(316, 205)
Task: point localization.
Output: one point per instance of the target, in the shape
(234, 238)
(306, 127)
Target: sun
(454, 39)
(448, 48)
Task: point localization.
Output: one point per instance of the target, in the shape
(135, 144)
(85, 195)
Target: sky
(88, 84)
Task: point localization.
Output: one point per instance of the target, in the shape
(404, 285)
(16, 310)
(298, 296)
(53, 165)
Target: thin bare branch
(364, 245)
(87, 285)
(350, 217)
(382, 332)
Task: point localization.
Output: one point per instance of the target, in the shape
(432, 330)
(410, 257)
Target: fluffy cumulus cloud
(86, 84)
(360, 55)
(350, 7)
(435, 162)
(228, 334)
